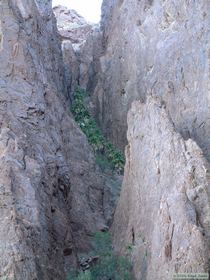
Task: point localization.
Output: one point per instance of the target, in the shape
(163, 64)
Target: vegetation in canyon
(106, 154)
(108, 266)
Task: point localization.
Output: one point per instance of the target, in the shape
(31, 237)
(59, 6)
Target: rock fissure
(145, 68)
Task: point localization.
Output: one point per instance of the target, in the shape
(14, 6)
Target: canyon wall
(156, 52)
(81, 47)
(162, 220)
(159, 48)
(51, 195)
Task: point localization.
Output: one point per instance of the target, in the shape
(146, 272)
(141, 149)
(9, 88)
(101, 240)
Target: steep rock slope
(157, 52)
(71, 25)
(81, 46)
(157, 47)
(163, 215)
(51, 196)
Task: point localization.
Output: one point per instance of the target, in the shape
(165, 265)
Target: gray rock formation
(89, 60)
(52, 195)
(157, 47)
(163, 215)
(71, 25)
(50, 192)
(82, 48)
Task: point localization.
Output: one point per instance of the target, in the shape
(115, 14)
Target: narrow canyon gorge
(145, 74)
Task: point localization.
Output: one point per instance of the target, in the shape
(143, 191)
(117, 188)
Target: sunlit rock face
(162, 220)
(50, 193)
(160, 48)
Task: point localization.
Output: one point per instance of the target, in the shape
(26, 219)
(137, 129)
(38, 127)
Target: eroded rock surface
(71, 25)
(50, 192)
(163, 216)
(82, 48)
(157, 47)
(52, 196)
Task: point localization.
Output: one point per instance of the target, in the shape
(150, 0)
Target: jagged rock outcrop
(82, 48)
(89, 60)
(51, 196)
(163, 215)
(157, 47)
(71, 25)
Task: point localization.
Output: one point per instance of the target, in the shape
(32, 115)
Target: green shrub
(102, 243)
(103, 149)
(86, 275)
(108, 266)
(103, 162)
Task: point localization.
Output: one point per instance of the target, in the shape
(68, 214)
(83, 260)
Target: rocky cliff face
(71, 25)
(164, 211)
(51, 196)
(160, 48)
(156, 52)
(82, 48)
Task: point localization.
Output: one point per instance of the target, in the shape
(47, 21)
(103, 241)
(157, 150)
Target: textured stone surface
(82, 48)
(71, 65)
(157, 47)
(89, 54)
(52, 196)
(164, 210)
(50, 192)
(71, 25)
